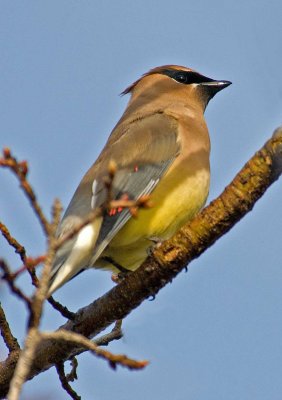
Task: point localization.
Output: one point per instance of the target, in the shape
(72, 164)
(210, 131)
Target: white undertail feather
(79, 256)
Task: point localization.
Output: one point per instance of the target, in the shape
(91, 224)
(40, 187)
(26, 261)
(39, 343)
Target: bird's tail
(74, 256)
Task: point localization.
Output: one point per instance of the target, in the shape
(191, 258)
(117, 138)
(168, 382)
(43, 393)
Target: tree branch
(166, 261)
(19, 249)
(20, 169)
(8, 276)
(65, 382)
(33, 336)
(114, 359)
(10, 341)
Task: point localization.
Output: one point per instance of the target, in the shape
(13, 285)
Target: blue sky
(215, 332)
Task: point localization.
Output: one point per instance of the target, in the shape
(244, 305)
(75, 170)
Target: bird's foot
(119, 277)
(156, 242)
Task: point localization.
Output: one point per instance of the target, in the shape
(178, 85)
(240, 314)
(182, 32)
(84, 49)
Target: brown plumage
(161, 147)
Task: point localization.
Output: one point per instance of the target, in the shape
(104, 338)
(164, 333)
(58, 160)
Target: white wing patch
(94, 197)
(79, 255)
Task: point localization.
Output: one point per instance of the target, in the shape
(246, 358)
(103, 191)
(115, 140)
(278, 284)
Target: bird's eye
(181, 78)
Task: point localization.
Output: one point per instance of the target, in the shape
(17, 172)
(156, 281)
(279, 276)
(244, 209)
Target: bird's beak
(215, 86)
(210, 88)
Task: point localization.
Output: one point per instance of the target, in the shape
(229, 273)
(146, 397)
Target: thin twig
(10, 341)
(65, 312)
(29, 263)
(82, 341)
(115, 334)
(24, 364)
(72, 375)
(33, 336)
(19, 249)
(104, 340)
(8, 277)
(42, 290)
(65, 383)
(20, 169)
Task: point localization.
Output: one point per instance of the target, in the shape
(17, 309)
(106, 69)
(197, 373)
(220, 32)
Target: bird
(160, 147)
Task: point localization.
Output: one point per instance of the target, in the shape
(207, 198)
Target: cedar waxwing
(161, 147)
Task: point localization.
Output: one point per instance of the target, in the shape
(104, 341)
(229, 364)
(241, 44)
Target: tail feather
(69, 263)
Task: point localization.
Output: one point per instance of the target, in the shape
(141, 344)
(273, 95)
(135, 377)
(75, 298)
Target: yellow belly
(177, 198)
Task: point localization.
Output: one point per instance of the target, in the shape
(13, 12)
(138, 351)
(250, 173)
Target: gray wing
(139, 177)
(133, 185)
(143, 150)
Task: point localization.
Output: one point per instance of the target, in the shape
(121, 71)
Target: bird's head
(177, 82)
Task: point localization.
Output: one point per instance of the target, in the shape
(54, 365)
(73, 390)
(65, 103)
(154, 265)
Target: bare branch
(33, 336)
(24, 363)
(65, 382)
(19, 249)
(167, 260)
(30, 264)
(20, 169)
(10, 341)
(82, 341)
(115, 334)
(72, 376)
(63, 310)
(9, 278)
(41, 293)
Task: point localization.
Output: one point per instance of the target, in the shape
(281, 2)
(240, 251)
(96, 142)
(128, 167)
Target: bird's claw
(156, 242)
